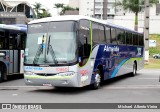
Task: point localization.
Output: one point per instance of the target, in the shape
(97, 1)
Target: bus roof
(124, 28)
(13, 27)
(65, 17)
(78, 17)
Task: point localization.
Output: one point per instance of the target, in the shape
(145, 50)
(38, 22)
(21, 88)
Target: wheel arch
(100, 68)
(4, 67)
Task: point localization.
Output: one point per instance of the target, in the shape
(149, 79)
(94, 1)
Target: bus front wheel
(97, 81)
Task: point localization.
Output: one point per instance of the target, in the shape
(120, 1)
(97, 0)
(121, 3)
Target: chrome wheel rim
(134, 69)
(97, 80)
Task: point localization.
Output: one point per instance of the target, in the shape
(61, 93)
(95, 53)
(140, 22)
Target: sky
(48, 4)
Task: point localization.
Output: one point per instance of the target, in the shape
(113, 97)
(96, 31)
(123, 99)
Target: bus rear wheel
(1, 74)
(97, 81)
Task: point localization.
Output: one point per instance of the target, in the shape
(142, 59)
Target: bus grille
(46, 74)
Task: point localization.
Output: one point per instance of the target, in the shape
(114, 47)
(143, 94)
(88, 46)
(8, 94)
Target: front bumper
(59, 81)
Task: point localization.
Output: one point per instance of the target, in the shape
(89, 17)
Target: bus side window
(141, 41)
(108, 34)
(95, 30)
(131, 39)
(128, 38)
(2, 39)
(21, 38)
(135, 39)
(23, 41)
(113, 36)
(84, 44)
(121, 37)
(102, 34)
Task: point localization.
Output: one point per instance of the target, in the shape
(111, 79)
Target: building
(129, 19)
(96, 8)
(15, 12)
(86, 7)
(70, 12)
(110, 6)
(74, 3)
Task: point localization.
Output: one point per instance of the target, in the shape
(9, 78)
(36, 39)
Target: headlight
(66, 74)
(29, 73)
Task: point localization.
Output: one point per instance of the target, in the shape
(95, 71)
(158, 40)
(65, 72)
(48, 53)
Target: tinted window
(113, 36)
(21, 40)
(95, 30)
(129, 38)
(98, 33)
(84, 42)
(141, 41)
(2, 34)
(101, 33)
(108, 34)
(135, 39)
(4, 40)
(121, 38)
(84, 30)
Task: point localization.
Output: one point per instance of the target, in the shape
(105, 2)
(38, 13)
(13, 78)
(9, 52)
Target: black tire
(134, 72)
(156, 57)
(97, 81)
(1, 74)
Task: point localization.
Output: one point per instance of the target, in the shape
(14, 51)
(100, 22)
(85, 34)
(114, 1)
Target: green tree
(45, 13)
(37, 8)
(59, 5)
(66, 8)
(77, 8)
(134, 6)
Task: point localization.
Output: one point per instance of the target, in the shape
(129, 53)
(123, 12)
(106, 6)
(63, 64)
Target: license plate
(47, 85)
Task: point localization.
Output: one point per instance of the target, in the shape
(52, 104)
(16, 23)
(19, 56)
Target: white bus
(76, 51)
(12, 44)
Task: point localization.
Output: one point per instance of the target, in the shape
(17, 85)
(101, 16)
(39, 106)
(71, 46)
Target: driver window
(84, 45)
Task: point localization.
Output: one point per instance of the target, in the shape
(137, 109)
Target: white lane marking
(25, 87)
(21, 86)
(14, 94)
(149, 78)
(134, 87)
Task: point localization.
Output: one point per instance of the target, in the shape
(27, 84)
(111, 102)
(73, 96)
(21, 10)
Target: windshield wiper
(49, 48)
(39, 52)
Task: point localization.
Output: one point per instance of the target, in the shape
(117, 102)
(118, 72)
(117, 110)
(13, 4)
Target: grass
(154, 63)
(155, 50)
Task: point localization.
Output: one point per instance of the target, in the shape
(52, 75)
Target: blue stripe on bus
(118, 67)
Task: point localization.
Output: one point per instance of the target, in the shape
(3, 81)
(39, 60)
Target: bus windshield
(51, 43)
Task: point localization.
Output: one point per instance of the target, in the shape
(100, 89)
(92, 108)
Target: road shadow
(71, 90)
(63, 90)
(118, 79)
(13, 77)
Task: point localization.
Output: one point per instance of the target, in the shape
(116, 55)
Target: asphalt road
(143, 88)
